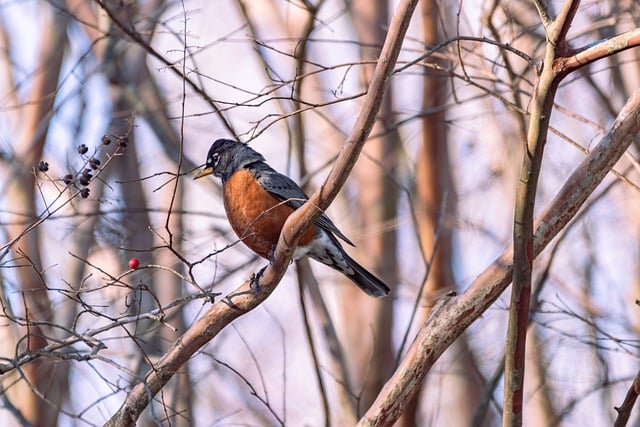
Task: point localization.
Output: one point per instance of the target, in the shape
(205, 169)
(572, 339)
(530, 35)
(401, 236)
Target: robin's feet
(255, 279)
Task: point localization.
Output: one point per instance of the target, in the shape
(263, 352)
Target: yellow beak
(204, 172)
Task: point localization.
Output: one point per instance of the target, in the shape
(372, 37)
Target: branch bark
(559, 61)
(624, 410)
(542, 106)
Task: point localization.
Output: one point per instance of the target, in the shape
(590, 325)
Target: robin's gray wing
(285, 189)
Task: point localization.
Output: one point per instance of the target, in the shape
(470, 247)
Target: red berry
(134, 263)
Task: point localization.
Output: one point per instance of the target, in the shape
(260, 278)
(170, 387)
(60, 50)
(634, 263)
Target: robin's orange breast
(255, 215)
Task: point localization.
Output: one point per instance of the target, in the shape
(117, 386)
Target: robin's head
(226, 156)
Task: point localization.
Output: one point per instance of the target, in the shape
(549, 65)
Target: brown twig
(624, 410)
(140, 40)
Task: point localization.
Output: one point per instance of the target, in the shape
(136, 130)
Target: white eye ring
(215, 158)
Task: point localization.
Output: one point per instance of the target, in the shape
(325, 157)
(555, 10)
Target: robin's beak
(208, 170)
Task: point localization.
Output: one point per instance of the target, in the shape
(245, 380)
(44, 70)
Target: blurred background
(106, 109)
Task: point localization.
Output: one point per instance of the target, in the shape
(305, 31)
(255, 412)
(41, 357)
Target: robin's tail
(326, 249)
(365, 279)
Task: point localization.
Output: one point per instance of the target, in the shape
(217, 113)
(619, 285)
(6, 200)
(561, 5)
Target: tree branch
(624, 410)
(141, 41)
(557, 34)
(598, 50)
(541, 108)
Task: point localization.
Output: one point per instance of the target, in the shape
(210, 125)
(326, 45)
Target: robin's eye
(214, 159)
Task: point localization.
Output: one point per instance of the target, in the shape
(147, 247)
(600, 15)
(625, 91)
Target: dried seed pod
(85, 178)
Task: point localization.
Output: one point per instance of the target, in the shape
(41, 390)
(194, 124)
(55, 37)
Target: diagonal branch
(624, 410)
(598, 50)
(301, 219)
(244, 298)
(141, 41)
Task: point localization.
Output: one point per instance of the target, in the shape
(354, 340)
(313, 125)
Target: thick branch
(598, 50)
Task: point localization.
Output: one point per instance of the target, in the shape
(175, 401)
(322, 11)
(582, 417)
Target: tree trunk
(372, 353)
(42, 379)
(435, 208)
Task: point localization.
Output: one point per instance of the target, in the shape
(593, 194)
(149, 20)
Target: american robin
(258, 200)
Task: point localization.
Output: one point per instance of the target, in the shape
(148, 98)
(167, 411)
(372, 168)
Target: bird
(258, 200)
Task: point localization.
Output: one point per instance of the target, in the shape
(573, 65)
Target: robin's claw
(254, 280)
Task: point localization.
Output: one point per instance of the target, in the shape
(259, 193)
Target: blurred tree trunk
(177, 396)
(123, 64)
(435, 212)
(369, 322)
(300, 27)
(265, 20)
(126, 69)
(540, 409)
(43, 385)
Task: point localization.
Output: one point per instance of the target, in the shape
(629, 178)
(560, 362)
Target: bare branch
(545, 14)
(302, 218)
(338, 365)
(598, 50)
(624, 410)
(557, 34)
(542, 105)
